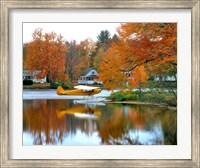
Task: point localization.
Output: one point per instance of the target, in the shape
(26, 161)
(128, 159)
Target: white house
(166, 78)
(89, 77)
(32, 76)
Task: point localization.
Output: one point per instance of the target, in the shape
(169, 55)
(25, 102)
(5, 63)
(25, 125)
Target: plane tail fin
(60, 90)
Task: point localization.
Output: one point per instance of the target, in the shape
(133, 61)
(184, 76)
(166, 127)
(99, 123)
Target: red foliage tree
(152, 46)
(46, 53)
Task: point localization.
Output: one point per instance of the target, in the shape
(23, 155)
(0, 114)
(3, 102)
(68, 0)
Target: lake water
(63, 122)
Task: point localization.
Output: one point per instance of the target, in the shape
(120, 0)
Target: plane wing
(86, 88)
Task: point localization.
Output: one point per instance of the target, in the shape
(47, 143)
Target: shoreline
(51, 94)
(143, 103)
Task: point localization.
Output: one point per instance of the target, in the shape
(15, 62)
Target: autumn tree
(98, 57)
(152, 45)
(72, 59)
(138, 77)
(46, 54)
(25, 49)
(115, 38)
(78, 57)
(103, 43)
(87, 50)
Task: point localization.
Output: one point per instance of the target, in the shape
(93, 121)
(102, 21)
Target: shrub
(120, 98)
(27, 82)
(155, 96)
(54, 85)
(67, 84)
(117, 96)
(133, 97)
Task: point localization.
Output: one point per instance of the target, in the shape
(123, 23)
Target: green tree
(104, 36)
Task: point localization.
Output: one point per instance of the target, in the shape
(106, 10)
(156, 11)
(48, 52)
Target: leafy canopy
(46, 53)
(141, 49)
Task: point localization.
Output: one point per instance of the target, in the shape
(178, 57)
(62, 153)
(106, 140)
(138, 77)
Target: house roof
(86, 71)
(92, 76)
(28, 72)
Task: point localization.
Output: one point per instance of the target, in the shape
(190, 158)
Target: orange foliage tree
(46, 53)
(86, 48)
(78, 57)
(138, 76)
(141, 47)
(103, 44)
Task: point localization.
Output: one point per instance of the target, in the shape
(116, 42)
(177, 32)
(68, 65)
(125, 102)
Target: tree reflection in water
(51, 122)
(40, 119)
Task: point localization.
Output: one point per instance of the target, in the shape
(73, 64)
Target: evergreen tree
(104, 36)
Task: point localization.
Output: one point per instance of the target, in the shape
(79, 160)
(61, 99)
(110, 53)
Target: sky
(70, 31)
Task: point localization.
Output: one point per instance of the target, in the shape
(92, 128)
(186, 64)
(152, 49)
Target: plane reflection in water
(81, 112)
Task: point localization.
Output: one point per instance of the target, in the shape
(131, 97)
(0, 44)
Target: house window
(92, 72)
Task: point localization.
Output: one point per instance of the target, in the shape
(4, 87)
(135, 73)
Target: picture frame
(4, 74)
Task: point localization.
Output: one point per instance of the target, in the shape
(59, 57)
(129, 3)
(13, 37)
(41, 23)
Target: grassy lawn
(37, 86)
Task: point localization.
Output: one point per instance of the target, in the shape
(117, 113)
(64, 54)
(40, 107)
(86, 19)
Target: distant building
(89, 77)
(32, 76)
(166, 78)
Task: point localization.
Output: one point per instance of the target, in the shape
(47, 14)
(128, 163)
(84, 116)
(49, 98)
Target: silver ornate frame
(194, 5)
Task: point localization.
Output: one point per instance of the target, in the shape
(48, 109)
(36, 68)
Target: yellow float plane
(79, 90)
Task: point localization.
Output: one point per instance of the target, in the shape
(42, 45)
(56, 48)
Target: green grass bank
(157, 96)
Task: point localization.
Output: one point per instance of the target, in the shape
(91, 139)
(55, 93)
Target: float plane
(79, 90)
